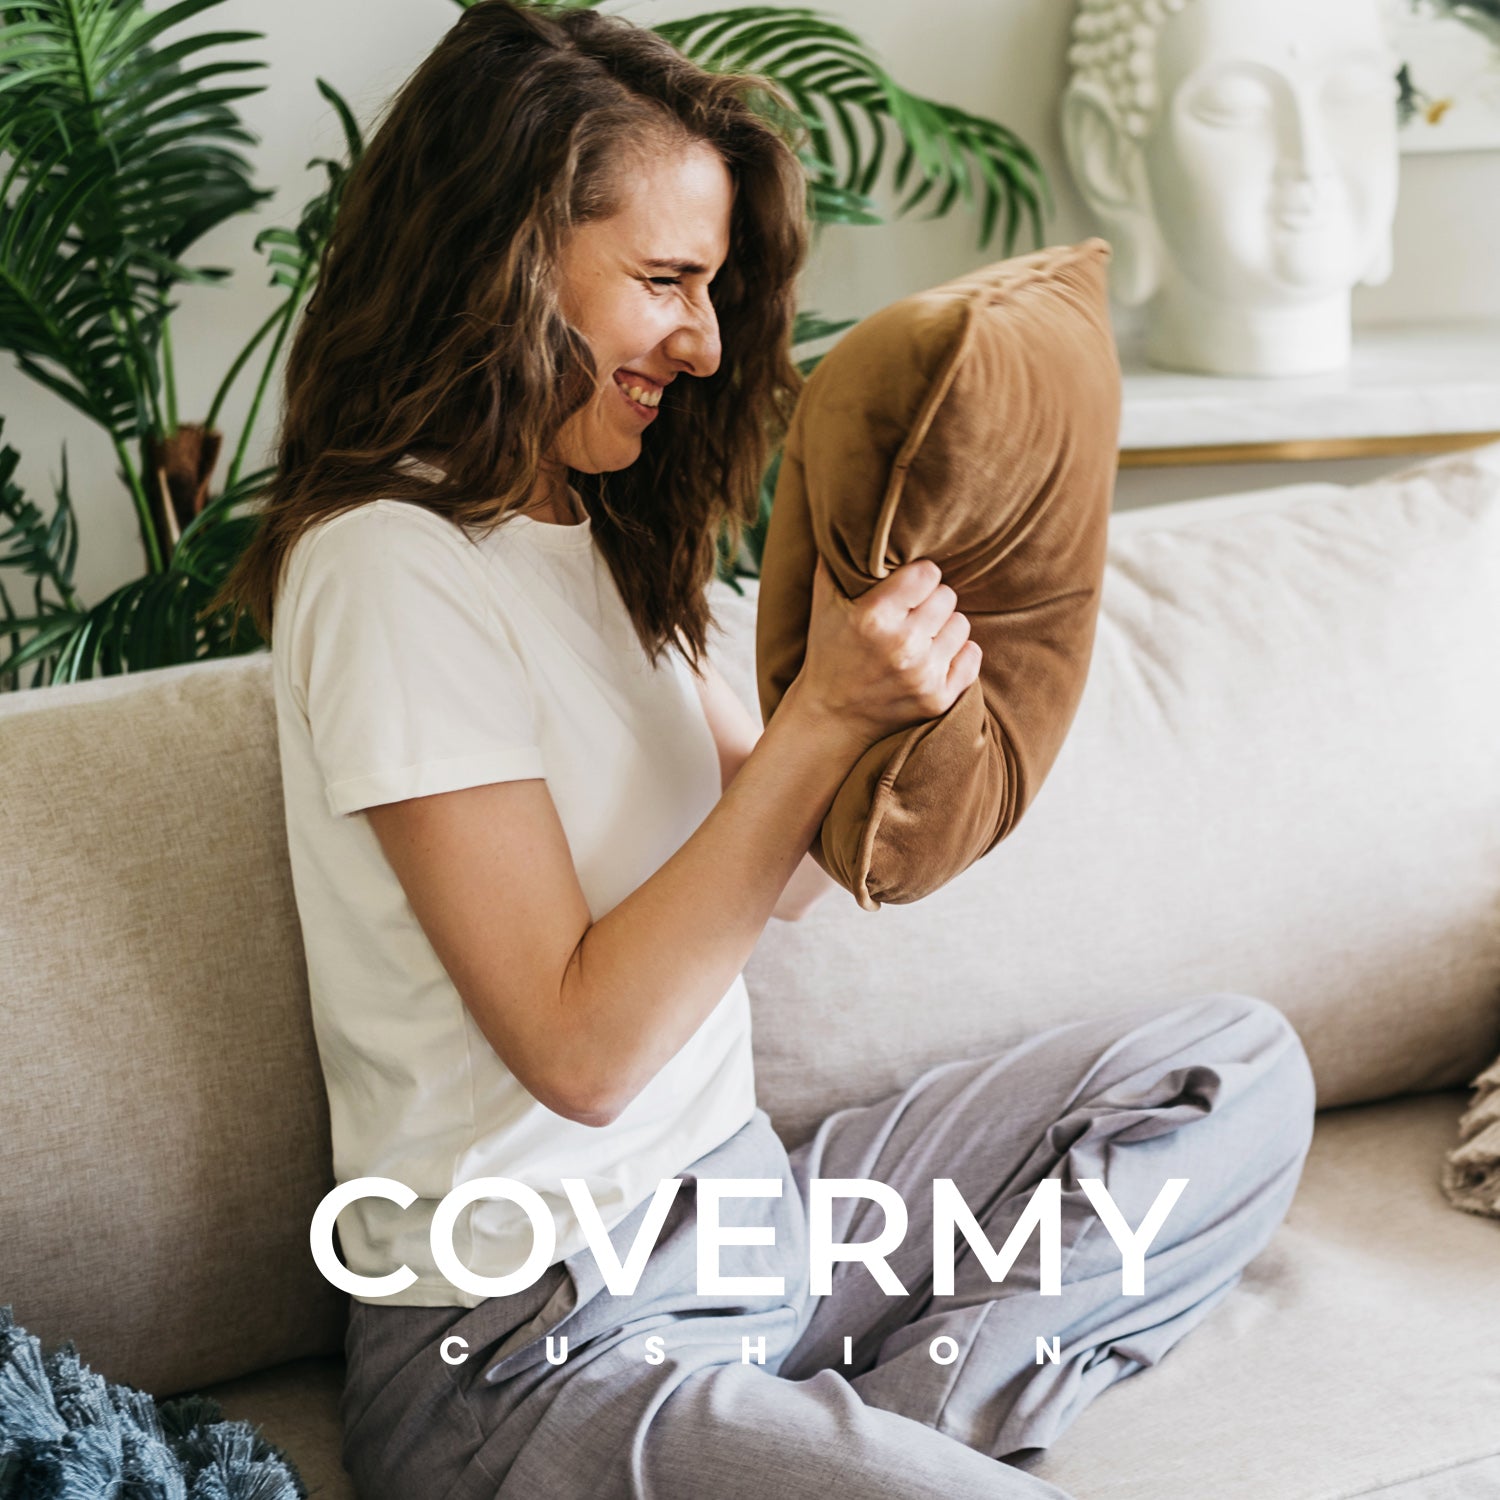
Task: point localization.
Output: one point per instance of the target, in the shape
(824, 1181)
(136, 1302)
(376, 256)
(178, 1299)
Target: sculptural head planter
(1242, 156)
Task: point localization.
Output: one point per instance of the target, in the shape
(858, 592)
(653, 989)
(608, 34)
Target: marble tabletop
(1403, 381)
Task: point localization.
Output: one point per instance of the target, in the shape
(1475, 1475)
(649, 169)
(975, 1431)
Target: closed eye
(666, 280)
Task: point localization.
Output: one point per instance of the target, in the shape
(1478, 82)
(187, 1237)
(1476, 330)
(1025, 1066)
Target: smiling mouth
(643, 392)
(646, 408)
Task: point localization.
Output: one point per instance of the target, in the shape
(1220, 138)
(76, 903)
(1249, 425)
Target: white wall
(1002, 58)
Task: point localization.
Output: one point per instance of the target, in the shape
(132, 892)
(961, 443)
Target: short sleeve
(395, 656)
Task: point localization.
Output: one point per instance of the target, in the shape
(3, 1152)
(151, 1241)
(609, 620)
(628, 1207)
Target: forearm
(808, 885)
(646, 974)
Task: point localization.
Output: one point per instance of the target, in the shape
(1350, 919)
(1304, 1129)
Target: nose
(694, 343)
(1306, 157)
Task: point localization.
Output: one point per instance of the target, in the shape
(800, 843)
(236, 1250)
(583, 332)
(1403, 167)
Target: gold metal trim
(1306, 451)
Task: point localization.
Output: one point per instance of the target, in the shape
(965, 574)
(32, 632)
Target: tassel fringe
(1471, 1171)
(66, 1433)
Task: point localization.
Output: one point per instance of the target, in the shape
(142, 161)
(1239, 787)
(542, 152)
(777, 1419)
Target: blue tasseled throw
(69, 1434)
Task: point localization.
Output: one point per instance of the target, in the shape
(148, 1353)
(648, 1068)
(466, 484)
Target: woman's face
(636, 287)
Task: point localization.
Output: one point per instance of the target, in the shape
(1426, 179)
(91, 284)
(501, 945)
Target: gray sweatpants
(1217, 1090)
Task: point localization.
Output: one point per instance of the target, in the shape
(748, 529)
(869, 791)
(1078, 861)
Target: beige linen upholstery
(166, 1131)
(297, 1406)
(1361, 1348)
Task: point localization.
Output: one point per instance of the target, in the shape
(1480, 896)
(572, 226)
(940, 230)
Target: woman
(534, 839)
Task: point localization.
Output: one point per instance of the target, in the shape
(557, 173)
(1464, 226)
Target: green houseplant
(123, 151)
(120, 147)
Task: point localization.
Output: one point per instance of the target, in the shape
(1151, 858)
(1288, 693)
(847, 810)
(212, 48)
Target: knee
(1243, 1026)
(1246, 1031)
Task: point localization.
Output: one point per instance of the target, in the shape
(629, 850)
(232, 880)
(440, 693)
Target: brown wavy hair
(435, 328)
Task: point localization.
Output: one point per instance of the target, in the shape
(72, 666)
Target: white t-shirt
(412, 657)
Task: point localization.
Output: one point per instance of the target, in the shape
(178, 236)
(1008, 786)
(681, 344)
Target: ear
(1107, 166)
(1097, 147)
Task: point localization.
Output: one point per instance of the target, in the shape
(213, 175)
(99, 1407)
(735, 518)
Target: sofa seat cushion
(296, 1406)
(974, 424)
(1360, 1350)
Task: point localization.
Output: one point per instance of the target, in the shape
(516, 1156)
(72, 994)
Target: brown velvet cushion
(976, 424)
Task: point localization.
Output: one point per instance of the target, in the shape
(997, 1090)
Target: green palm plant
(121, 149)
(835, 83)
(122, 144)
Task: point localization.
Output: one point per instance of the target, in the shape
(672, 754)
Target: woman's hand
(898, 655)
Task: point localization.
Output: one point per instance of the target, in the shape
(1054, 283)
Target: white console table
(1408, 391)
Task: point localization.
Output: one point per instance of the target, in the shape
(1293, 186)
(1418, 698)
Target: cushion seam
(915, 438)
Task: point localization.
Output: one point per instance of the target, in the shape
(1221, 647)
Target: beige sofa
(1284, 780)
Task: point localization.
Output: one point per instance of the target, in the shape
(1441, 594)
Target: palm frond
(829, 203)
(159, 620)
(809, 327)
(120, 147)
(851, 108)
(214, 539)
(43, 550)
(296, 257)
(851, 104)
(119, 159)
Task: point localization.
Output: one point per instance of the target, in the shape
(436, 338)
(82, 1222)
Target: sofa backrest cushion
(166, 1131)
(974, 424)
(1282, 780)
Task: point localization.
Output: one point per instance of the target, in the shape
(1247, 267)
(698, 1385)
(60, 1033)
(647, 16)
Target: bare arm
(586, 1013)
(736, 733)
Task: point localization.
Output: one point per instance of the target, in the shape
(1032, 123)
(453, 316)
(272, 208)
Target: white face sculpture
(1244, 152)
